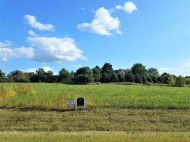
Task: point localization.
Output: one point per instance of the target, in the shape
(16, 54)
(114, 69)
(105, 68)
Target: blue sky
(70, 33)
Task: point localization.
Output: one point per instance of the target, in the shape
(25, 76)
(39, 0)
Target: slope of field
(93, 137)
(54, 96)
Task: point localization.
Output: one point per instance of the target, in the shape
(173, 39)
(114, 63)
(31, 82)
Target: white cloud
(102, 24)
(46, 69)
(83, 8)
(129, 7)
(53, 49)
(7, 52)
(187, 64)
(30, 70)
(184, 69)
(118, 7)
(76, 66)
(31, 33)
(32, 21)
(7, 43)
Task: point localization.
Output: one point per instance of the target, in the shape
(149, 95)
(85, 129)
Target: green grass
(54, 96)
(115, 113)
(93, 137)
(99, 119)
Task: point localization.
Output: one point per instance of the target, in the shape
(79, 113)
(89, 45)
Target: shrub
(180, 81)
(138, 79)
(129, 77)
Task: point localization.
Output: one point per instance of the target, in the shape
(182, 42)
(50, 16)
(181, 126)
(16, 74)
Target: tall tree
(129, 77)
(164, 78)
(153, 72)
(83, 75)
(139, 69)
(49, 77)
(64, 76)
(2, 76)
(41, 75)
(96, 73)
(17, 76)
(108, 73)
(138, 79)
(180, 81)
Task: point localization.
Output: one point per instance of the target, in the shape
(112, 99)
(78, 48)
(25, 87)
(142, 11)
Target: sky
(56, 34)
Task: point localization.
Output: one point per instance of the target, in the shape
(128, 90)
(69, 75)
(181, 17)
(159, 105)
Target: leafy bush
(129, 77)
(138, 79)
(180, 81)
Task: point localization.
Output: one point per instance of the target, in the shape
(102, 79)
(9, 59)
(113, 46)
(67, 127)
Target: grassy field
(38, 112)
(93, 137)
(54, 96)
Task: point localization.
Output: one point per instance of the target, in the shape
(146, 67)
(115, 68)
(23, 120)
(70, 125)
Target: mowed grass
(54, 96)
(97, 119)
(93, 137)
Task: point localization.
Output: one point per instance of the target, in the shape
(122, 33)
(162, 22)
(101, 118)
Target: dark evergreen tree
(107, 73)
(129, 77)
(96, 74)
(138, 79)
(2, 76)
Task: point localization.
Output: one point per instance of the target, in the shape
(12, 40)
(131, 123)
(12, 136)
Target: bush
(129, 77)
(180, 81)
(138, 79)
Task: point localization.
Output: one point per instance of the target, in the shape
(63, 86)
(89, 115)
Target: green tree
(144, 79)
(49, 77)
(64, 76)
(138, 79)
(107, 73)
(96, 73)
(83, 75)
(114, 78)
(164, 78)
(180, 81)
(129, 77)
(41, 75)
(171, 80)
(153, 72)
(2, 76)
(17, 76)
(139, 69)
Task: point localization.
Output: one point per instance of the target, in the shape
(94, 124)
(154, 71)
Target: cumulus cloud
(102, 24)
(31, 33)
(184, 69)
(129, 7)
(53, 49)
(32, 21)
(46, 69)
(30, 70)
(5, 44)
(6, 52)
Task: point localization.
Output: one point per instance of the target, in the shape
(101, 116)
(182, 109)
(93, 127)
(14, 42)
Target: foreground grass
(99, 119)
(93, 136)
(54, 96)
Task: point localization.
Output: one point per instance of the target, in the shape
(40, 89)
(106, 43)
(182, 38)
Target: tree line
(137, 74)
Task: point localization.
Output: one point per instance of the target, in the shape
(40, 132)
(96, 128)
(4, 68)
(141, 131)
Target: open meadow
(114, 113)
